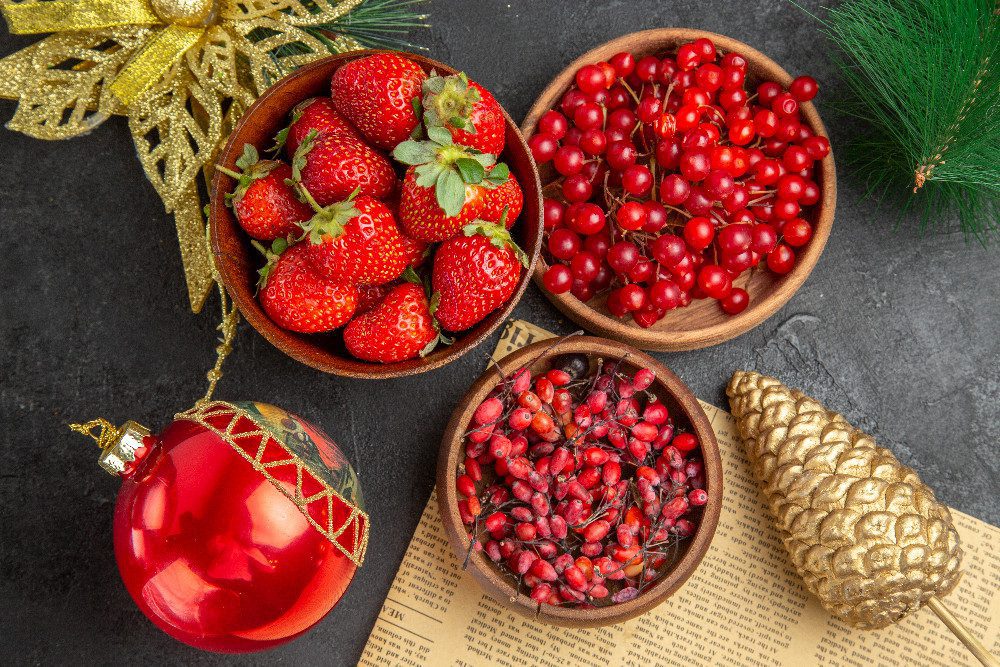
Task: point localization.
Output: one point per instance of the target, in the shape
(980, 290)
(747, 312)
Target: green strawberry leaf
(299, 159)
(440, 135)
(413, 152)
(498, 175)
(329, 222)
(249, 157)
(280, 138)
(450, 192)
(411, 276)
(428, 174)
(271, 256)
(472, 172)
(434, 85)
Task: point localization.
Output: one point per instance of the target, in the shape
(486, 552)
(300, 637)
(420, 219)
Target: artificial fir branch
(380, 23)
(923, 78)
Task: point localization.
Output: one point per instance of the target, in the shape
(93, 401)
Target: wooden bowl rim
(315, 353)
(760, 308)
(498, 585)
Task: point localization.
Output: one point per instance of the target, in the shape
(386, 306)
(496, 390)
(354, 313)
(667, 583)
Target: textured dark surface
(898, 332)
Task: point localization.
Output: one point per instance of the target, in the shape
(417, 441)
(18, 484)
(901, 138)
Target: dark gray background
(898, 332)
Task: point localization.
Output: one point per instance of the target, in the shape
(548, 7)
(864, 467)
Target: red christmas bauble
(237, 528)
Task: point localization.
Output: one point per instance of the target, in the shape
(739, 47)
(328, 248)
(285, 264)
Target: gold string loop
(105, 438)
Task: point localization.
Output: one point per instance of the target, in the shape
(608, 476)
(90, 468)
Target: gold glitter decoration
(866, 535)
(182, 71)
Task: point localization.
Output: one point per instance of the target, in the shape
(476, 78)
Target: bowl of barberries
(689, 188)
(375, 214)
(580, 482)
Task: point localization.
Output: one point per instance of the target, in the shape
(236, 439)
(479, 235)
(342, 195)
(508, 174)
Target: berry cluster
(676, 177)
(578, 483)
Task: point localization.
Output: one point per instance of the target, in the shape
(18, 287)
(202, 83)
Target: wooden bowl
(702, 323)
(237, 261)
(686, 412)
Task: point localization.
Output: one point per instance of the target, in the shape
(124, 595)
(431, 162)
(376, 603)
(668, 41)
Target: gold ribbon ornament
(182, 71)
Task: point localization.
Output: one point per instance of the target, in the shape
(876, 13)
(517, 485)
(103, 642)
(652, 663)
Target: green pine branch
(380, 24)
(923, 79)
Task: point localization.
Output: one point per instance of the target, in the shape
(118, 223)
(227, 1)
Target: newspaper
(744, 605)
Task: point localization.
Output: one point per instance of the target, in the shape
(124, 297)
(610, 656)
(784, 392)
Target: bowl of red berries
(580, 482)
(375, 214)
(689, 188)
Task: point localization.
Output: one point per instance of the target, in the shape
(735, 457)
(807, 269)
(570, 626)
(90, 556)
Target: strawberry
(467, 110)
(376, 95)
(265, 205)
(332, 166)
(357, 241)
(475, 273)
(401, 327)
(296, 297)
(447, 186)
(504, 198)
(370, 296)
(315, 113)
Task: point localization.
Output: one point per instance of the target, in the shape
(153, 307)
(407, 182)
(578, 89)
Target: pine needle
(923, 79)
(380, 24)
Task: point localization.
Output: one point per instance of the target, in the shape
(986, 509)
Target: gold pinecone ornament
(866, 535)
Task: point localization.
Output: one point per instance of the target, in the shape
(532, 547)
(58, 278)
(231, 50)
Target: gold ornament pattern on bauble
(182, 71)
(866, 535)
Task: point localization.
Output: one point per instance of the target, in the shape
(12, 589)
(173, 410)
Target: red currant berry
(590, 79)
(810, 194)
(766, 92)
(553, 212)
(621, 155)
(714, 281)
(588, 116)
(622, 256)
(733, 239)
(585, 266)
(624, 63)
(732, 98)
(593, 142)
(791, 187)
(767, 171)
(688, 57)
(665, 294)
(741, 132)
(674, 190)
(719, 184)
(569, 160)
(699, 232)
(765, 122)
(796, 158)
(698, 202)
(784, 105)
(709, 77)
(631, 216)
(668, 154)
(633, 297)
(734, 60)
(647, 68)
(622, 119)
(554, 124)
(609, 73)
(587, 219)
(817, 147)
(543, 147)
(597, 244)
(687, 118)
(803, 88)
(781, 259)
(797, 232)
(705, 49)
(665, 126)
(695, 165)
(558, 279)
(656, 217)
(732, 77)
(785, 210)
(734, 304)
(563, 243)
(668, 249)
(577, 188)
(637, 180)
(763, 238)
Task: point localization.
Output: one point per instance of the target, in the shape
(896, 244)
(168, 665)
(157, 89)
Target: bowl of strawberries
(375, 214)
(580, 481)
(689, 188)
